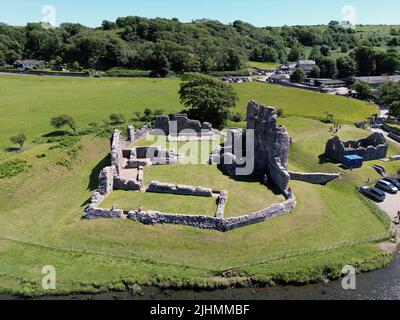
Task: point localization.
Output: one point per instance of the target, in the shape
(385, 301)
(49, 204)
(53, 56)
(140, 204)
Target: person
(289, 192)
(140, 209)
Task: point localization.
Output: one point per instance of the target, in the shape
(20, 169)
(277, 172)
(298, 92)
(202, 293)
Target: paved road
(391, 205)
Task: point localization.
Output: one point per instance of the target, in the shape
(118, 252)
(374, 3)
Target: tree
(19, 139)
(364, 90)
(325, 51)
(117, 118)
(63, 120)
(387, 62)
(298, 76)
(390, 93)
(296, 53)
(207, 98)
(328, 68)
(365, 60)
(395, 109)
(315, 72)
(346, 67)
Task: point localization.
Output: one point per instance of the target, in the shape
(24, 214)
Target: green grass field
(40, 220)
(264, 65)
(28, 102)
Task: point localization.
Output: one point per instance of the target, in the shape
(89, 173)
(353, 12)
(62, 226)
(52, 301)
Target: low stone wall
(393, 136)
(269, 213)
(214, 223)
(314, 178)
(126, 184)
(221, 203)
(159, 187)
(97, 213)
(156, 217)
(391, 129)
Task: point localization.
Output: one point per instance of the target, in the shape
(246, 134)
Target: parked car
(393, 181)
(386, 186)
(373, 193)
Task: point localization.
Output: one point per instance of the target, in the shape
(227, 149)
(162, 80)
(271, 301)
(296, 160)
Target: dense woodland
(165, 46)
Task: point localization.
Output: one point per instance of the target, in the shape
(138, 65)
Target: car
(373, 193)
(386, 186)
(393, 181)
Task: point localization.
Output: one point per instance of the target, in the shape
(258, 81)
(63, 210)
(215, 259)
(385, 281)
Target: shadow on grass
(58, 133)
(94, 176)
(12, 149)
(323, 159)
(252, 179)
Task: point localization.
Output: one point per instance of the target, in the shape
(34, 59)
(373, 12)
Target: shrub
(127, 73)
(117, 118)
(12, 168)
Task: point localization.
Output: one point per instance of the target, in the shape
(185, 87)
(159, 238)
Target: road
(391, 205)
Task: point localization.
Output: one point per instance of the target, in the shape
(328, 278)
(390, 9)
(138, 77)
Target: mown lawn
(167, 203)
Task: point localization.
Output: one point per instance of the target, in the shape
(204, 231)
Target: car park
(386, 186)
(393, 181)
(373, 193)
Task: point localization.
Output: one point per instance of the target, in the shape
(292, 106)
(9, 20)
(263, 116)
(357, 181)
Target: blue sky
(257, 12)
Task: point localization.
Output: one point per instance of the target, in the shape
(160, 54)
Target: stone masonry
(180, 122)
(270, 154)
(371, 148)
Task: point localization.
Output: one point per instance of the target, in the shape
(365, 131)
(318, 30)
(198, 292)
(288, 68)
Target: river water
(382, 284)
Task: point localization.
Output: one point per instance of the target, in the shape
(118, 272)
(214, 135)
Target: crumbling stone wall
(134, 135)
(179, 122)
(214, 223)
(116, 151)
(106, 180)
(270, 151)
(314, 178)
(159, 187)
(221, 203)
(373, 147)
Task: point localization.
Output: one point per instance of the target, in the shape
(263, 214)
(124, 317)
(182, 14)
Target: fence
(308, 251)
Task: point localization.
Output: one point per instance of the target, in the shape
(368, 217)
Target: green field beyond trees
(41, 208)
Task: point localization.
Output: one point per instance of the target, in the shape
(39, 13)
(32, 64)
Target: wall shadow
(252, 179)
(94, 175)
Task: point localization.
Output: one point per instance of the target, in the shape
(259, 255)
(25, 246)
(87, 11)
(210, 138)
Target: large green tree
(207, 99)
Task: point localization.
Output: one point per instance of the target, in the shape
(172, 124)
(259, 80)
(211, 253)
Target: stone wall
(134, 135)
(126, 184)
(393, 136)
(214, 223)
(270, 148)
(389, 128)
(180, 122)
(373, 147)
(159, 187)
(116, 151)
(106, 180)
(314, 178)
(269, 213)
(221, 203)
(97, 213)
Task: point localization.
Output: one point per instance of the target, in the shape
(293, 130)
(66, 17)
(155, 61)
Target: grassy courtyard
(40, 220)
(167, 203)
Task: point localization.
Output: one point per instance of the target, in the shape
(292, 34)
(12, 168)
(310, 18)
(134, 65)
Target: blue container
(353, 161)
